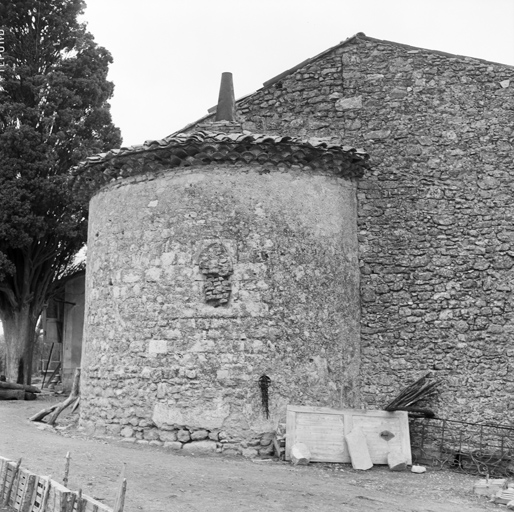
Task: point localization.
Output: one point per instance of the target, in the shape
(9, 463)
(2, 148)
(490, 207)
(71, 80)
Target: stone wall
(201, 280)
(435, 213)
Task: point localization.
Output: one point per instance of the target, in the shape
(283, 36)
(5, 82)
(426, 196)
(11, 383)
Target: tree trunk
(19, 331)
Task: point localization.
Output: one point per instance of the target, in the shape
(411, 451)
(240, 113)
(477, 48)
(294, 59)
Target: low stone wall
(188, 439)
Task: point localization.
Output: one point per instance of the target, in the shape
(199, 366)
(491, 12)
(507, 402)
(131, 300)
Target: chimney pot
(226, 100)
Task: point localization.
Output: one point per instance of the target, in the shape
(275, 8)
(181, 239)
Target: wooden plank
(39, 493)
(4, 464)
(69, 502)
(92, 505)
(119, 503)
(46, 494)
(26, 491)
(12, 482)
(321, 430)
(20, 490)
(23, 497)
(55, 372)
(58, 497)
(80, 502)
(66, 469)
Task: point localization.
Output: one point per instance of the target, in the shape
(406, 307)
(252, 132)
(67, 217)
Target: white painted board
(323, 430)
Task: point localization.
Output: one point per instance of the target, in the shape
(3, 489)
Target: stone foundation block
(200, 446)
(168, 437)
(127, 432)
(184, 436)
(173, 445)
(199, 435)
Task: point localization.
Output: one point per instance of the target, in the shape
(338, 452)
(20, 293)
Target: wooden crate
(323, 430)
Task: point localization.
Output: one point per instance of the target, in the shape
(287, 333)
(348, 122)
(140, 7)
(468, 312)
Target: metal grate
(474, 448)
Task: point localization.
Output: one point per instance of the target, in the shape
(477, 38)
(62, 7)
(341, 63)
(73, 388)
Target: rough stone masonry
(215, 260)
(435, 213)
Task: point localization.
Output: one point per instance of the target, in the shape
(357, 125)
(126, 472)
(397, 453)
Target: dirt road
(162, 481)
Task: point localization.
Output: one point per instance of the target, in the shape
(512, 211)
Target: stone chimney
(226, 100)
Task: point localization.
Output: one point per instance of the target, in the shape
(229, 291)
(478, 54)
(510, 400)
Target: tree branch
(9, 296)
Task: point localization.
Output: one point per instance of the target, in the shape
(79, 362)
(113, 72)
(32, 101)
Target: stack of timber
(411, 395)
(13, 391)
(24, 491)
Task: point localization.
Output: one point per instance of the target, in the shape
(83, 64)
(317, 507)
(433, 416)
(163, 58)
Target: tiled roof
(203, 148)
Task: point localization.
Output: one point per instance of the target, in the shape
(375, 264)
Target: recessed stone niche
(216, 266)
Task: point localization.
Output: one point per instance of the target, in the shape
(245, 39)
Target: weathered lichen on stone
(216, 266)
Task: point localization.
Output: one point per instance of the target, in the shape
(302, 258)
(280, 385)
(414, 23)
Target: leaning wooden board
(323, 430)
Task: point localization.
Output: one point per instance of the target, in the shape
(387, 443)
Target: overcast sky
(169, 54)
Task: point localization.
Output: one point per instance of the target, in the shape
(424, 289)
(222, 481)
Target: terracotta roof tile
(203, 148)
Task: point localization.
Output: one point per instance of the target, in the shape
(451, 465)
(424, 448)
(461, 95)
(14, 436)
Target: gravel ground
(159, 480)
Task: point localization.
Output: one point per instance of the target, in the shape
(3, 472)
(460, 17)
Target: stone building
(63, 326)
(222, 284)
(435, 213)
(342, 287)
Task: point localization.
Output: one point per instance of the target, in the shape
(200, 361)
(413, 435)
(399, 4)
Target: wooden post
(122, 489)
(47, 365)
(11, 483)
(70, 502)
(66, 470)
(2, 490)
(80, 501)
(27, 498)
(46, 494)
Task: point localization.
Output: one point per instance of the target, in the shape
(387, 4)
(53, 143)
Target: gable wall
(435, 214)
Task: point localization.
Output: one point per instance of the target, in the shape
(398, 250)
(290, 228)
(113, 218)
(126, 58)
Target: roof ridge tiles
(206, 138)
